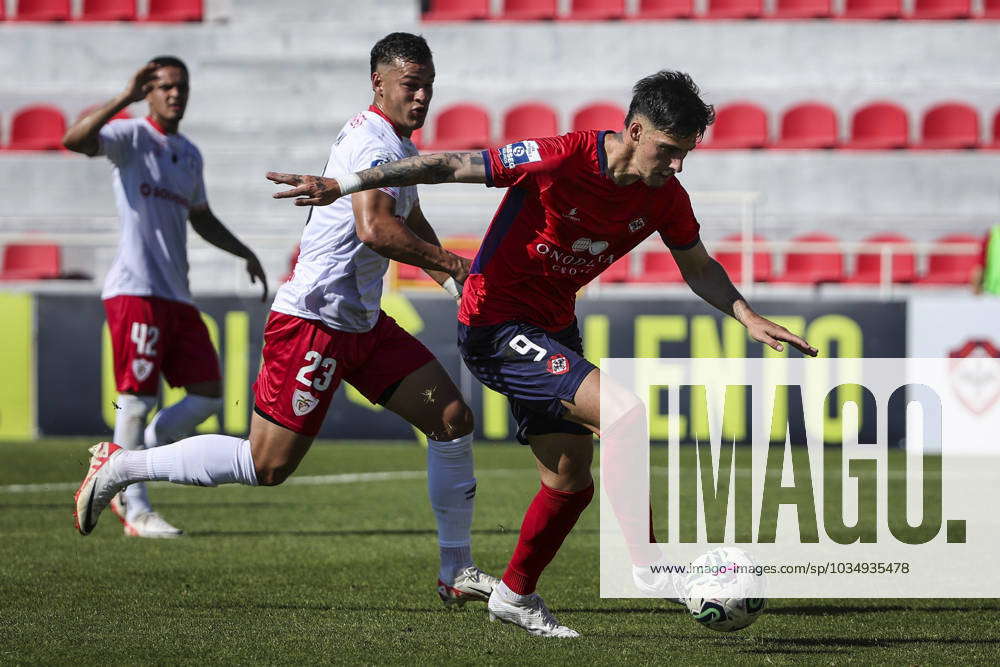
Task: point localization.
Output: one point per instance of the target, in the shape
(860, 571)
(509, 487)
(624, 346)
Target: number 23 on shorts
(322, 378)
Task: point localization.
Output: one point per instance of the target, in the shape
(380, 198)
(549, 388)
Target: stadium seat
(868, 269)
(732, 261)
(808, 125)
(659, 267)
(528, 10)
(879, 126)
(991, 9)
(802, 9)
(37, 128)
(664, 9)
(3, 11)
(995, 142)
(739, 126)
(872, 9)
(108, 10)
(461, 127)
(600, 116)
(174, 11)
(951, 269)
(619, 272)
(596, 10)
(951, 125)
(529, 120)
(43, 10)
(457, 10)
(941, 10)
(30, 262)
(734, 9)
(418, 138)
(813, 267)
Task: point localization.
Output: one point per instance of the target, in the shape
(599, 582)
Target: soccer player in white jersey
(326, 326)
(154, 326)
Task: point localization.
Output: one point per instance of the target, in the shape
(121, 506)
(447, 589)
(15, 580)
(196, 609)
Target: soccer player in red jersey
(575, 204)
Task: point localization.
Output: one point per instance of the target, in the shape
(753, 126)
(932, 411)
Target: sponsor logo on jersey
(303, 402)
(141, 368)
(570, 264)
(382, 158)
(512, 155)
(593, 247)
(636, 224)
(572, 215)
(558, 364)
(147, 190)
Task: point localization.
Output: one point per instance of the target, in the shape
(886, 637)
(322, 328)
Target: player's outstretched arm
(81, 137)
(210, 228)
(709, 280)
(466, 167)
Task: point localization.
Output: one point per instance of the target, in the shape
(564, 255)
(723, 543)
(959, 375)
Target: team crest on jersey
(519, 153)
(141, 368)
(636, 224)
(303, 402)
(558, 364)
(593, 247)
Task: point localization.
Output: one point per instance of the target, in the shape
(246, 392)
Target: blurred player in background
(576, 203)
(326, 326)
(154, 326)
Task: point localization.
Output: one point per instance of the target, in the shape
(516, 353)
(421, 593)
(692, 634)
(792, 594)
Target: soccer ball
(725, 590)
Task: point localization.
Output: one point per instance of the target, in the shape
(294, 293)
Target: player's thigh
(277, 451)
(585, 408)
(189, 356)
(428, 399)
(563, 460)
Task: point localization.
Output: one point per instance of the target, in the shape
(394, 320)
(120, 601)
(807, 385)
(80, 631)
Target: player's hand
(462, 272)
(142, 82)
(308, 190)
(256, 272)
(771, 334)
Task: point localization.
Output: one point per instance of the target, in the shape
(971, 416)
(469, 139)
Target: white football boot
(147, 524)
(471, 585)
(532, 615)
(667, 585)
(97, 489)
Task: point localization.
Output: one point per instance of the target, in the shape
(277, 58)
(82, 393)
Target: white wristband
(349, 183)
(452, 287)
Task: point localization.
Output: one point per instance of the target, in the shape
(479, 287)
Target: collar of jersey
(374, 109)
(156, 126)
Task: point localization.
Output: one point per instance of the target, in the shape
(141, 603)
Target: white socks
(203, 460)
(451, 485)
(130, 418)
(180, 419)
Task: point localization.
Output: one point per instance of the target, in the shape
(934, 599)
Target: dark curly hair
(169, 61)
(403, 46)
(671, 101)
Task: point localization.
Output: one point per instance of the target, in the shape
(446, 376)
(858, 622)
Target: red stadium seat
(121, 115)
(991, 9)
(995, 143)
(872, 9)
(619, 272)
(43, 10)
(174, 11)
(659, 267)
(457, 10)
(941, 9)
(739, 126)
(813, 267)
(596, 10)
(418, 138)
(37, 128)
(734, 9)
(808, 125)
(108, 10)
(30, 262)
(665, 9)
(802, 9)
(732, 261)
(600, 116)
(868, 270)
(945, 269)
(3, 11)
(529, 120)
(879, 126)
(951, 125)
(461, 127)
(528, 10)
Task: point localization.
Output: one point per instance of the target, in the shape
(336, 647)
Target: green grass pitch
(344, 573)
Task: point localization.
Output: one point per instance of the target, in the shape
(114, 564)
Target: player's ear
(635, 130)
(376, 81)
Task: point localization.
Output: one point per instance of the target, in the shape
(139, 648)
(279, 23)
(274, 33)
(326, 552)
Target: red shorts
(304, 362)
(150, 335)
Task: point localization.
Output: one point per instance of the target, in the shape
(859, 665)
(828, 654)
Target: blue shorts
(536, 370)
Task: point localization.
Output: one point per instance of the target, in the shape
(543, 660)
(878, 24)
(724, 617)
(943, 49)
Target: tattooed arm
(421, 169)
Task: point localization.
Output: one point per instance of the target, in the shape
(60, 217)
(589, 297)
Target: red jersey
(562, 222)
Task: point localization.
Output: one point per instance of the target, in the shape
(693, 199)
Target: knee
(456, 420)
(272, 475)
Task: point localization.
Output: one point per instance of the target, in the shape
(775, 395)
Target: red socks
(550, 517)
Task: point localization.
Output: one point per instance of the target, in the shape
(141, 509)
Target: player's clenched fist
(308, 190)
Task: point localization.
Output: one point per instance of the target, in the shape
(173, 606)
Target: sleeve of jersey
(368, 152)
(115, 140)
(679, 229)
(510, 165)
